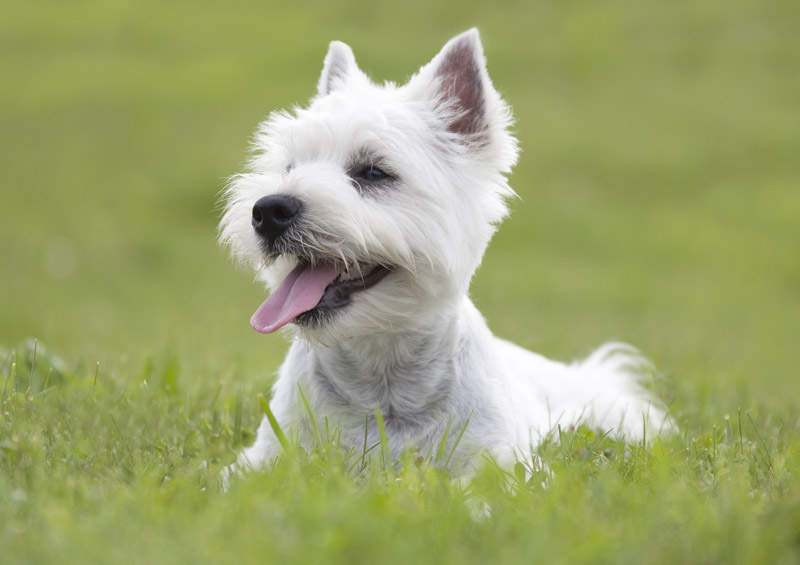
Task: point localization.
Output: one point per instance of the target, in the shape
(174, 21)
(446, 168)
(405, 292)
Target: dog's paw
(228, 475)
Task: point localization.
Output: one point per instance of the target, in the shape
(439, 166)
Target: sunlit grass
(101, 467)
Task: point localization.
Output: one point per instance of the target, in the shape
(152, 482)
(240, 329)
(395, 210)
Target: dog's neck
(404, 374)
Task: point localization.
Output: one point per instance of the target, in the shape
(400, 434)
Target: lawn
(659, 201)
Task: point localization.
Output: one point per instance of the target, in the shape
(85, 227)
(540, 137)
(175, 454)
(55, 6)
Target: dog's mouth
(310, 291)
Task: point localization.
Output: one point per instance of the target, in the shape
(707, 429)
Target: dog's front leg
(263, 451)
(259, 455)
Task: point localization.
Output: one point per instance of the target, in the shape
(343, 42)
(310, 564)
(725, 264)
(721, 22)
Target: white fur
(413, 346)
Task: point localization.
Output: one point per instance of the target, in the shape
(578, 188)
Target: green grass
(660, 197)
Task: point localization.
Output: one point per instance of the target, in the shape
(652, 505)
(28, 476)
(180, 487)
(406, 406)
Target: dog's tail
(612, 384)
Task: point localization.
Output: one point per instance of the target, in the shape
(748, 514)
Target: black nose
(272, 215)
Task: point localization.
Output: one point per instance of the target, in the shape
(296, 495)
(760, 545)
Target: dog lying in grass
(366, 214)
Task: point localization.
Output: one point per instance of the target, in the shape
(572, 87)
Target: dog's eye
(372, 174)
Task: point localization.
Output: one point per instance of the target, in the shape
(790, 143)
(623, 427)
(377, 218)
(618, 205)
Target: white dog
(367, 214)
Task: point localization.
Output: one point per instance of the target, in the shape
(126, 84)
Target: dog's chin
(400, 303)
(312, 293)
(338, 297)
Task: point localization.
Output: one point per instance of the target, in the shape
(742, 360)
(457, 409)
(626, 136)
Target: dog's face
(370, 210)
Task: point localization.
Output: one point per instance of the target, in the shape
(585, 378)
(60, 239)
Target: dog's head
(369, 210)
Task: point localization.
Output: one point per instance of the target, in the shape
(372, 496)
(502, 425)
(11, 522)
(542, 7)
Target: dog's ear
(461, 70)
(339, 66)
(460, 82)
(457, 82)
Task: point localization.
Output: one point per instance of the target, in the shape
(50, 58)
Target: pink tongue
(299, 292)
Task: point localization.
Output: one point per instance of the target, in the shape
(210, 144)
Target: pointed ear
(462, 94)
(458, 74)
(340, 64)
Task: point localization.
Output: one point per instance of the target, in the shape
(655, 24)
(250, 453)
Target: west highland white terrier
(367, 214)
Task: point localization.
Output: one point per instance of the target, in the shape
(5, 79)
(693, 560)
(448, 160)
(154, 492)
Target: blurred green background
(659, 181)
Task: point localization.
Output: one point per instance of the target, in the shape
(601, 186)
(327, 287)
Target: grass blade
(458, 439)
(384, 439)
(311, 417)
(443, 441)
(273, 423)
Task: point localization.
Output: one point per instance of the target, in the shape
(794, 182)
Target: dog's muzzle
(274, 214)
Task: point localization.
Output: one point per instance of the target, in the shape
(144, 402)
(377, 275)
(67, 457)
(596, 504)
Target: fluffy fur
(412, 346)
